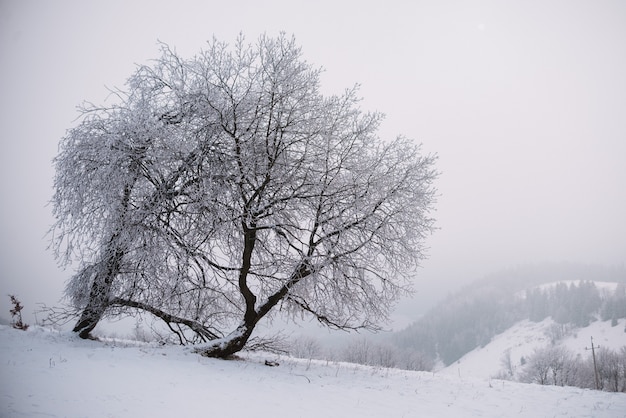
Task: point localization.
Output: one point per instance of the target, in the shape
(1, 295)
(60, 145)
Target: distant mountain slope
(474, 316)
(521, 340)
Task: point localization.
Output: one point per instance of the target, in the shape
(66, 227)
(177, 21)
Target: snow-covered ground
(52, 374)
(526, 336)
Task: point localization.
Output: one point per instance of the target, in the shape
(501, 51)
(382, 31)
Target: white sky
(524, 102)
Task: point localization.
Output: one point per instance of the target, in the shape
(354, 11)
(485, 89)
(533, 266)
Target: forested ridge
(469, 319)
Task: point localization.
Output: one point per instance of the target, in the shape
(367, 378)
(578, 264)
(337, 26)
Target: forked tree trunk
(237, 340)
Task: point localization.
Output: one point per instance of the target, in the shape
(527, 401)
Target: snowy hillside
(45, 373)
(526, 336)
(518, 304)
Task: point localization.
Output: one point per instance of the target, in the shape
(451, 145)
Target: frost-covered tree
(221, 189)
(305, 347)
(546, 366)
(610, 369)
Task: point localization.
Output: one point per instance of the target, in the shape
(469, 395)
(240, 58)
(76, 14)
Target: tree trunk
(99, 296)
(92, 314)
(230, 345)
(236, 341)
(94, 311)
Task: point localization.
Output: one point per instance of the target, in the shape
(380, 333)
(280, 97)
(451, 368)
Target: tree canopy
(222, 188)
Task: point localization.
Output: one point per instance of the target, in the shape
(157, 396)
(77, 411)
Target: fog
(523, 102)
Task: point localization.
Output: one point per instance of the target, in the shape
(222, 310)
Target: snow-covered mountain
(532, 303)
(47, 373)
(522, 339)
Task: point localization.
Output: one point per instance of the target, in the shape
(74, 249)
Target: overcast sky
(524, 102)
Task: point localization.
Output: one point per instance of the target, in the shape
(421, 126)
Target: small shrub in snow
(16, 314)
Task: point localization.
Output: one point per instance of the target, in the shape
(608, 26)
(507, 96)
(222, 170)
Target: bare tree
(359, 351)
(224, 188)
(548, 365)
(416, 360)
(609, 369)
(622, 356)
(306, 348)
(560, 359)
(385, 355)
(507, 364)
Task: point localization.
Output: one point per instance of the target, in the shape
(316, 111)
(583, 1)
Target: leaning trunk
(226, 347)
(99, 295)
(237, 340)
(94, 311)
(92, 314)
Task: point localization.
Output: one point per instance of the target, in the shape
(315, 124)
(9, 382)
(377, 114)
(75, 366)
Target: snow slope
(52, 374)
(526, 336)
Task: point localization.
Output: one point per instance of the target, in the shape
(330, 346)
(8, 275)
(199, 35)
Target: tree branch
(203, 332)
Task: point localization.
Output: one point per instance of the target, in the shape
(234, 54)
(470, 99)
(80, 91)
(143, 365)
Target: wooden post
(595, 365)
